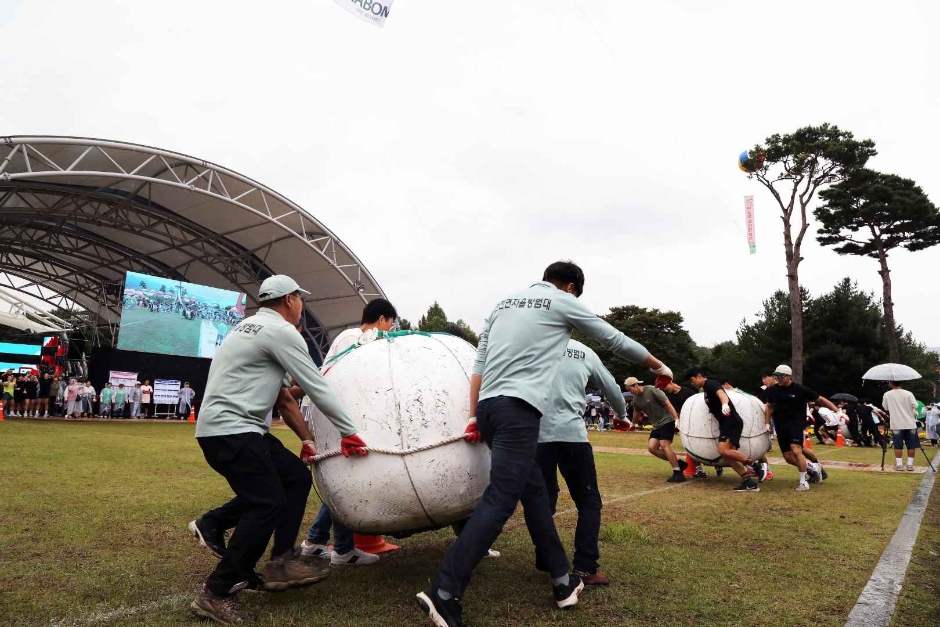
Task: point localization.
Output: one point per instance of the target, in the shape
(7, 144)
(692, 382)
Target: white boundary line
(121, 612)
(875, 606)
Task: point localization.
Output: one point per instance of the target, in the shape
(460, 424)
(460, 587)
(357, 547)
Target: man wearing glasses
(270, 484)
(786, 403)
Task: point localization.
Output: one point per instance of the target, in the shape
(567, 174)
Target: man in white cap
(271, 484)
(786, 403)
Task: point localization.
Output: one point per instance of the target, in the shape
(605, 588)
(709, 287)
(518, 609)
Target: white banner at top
(372, 11)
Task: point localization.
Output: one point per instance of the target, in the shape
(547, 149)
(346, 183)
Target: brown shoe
(225, 610)
(595, 580)
(292, 571)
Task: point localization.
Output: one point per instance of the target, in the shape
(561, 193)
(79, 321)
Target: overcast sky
(466, 145)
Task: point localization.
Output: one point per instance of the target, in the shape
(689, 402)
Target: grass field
(158, 332)
(93, 532)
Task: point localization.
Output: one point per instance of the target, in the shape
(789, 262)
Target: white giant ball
(403, 393)
(698, 429)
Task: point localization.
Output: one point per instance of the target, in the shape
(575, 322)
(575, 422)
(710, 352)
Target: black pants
(575, 460)
(852, 424)
(819, 428)
(271, 486)
(870, 432)
(510, 427)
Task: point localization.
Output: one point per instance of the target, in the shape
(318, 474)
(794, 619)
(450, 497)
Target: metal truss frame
(50, 242)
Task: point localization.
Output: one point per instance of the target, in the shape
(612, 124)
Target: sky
(465, 146)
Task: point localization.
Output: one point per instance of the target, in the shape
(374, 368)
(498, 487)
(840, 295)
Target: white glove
(726, 410)
(662, 370)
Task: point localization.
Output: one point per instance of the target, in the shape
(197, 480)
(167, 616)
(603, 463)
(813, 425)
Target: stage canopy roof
(77, 213)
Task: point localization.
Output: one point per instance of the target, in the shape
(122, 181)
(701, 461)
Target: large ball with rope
(698, 429)
(409, 394)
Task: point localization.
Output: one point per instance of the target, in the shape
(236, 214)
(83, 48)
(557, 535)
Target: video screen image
(175, 318)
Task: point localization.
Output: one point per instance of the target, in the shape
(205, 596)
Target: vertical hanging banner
(372, 11)
(749, 218)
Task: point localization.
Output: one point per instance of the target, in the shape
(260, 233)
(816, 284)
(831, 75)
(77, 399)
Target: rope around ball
(393, 451)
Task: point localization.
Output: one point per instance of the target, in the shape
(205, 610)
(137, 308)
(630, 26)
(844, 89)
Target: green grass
(159, 332)
(93, 518)
(919, 603)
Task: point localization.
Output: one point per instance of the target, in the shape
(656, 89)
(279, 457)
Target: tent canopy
(77, 213)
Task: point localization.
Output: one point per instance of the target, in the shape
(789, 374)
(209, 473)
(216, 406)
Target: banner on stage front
(749, 218)
(166, 392)
(374, 12)
(117, 377)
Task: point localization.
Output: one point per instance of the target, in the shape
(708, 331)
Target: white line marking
(120, 613)
(875, 606)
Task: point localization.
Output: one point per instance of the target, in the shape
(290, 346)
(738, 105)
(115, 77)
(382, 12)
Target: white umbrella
(891, 372)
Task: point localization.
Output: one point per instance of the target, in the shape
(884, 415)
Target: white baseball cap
(631, 381)
(783, 370)
(278, 285)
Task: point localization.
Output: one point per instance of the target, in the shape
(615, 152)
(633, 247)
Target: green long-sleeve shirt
(564, 421)
(246, 375)
(526, 334)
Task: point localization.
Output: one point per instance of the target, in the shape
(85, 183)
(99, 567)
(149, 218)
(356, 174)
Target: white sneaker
(803, 487)
(316, 550)
(356, 557)
(492, 553)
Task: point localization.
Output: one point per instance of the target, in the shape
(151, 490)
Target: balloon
(749, 164)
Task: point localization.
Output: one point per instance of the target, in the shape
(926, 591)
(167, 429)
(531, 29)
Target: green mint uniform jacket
(564, 421)
(246, 375)
(521, 345)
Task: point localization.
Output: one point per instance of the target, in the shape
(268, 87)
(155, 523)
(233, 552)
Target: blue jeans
(319, 533)
(510, 427)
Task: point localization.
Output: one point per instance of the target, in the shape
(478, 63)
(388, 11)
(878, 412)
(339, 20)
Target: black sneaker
(747, 485)
(759, 469)
(677, 477)
(699, 474)
(567, 596)
(442, 613)
(683, 465)
(212, 539)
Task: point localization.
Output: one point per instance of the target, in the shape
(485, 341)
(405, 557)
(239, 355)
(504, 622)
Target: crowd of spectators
(44, 396)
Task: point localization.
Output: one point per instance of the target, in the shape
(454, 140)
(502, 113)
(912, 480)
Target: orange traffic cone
(690, 466)
(373, 544)
(192, 414)
(840, 441)
(806, 442)
(1, 411)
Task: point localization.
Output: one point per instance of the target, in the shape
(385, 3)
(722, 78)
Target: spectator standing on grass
(902, 412)
(32, 394)
(45, 391)
(869, 423)
(120, 399)
(931, 421)
(73, 398)
(61, 385)
(146, 398)
(19, 397)
(9, 389)
(88, 399)
(107, 399)
(186, 397)
(133, 398)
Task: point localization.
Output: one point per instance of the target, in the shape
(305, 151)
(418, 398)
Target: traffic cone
(1, 411)
(192, 414)
(690, 466)
(373, 544)
(840, 441)
(806, 442)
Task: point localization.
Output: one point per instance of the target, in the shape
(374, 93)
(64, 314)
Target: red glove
(307, 452)
(662, 381)
(471, 433)
(352, 445)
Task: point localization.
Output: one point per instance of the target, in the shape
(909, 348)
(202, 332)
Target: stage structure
(76, 214)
